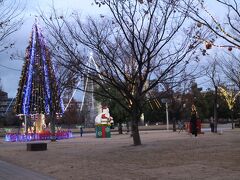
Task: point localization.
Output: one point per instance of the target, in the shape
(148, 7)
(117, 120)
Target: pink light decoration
(45, 135)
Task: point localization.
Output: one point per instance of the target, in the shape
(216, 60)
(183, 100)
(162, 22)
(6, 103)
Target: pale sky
(10, 77)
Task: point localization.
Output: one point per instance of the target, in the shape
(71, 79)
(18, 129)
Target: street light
(166, 101)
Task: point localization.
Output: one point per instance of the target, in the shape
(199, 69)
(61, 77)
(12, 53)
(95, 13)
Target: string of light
(230, 97)
(38, 91)
(208, 43)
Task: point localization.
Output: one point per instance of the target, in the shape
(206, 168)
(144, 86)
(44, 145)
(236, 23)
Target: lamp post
(166, 101)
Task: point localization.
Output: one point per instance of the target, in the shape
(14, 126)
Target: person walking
(193, 121)
(81, 131)
(212, 124)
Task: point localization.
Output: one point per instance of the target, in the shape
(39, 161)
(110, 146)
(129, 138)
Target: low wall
(141, 128)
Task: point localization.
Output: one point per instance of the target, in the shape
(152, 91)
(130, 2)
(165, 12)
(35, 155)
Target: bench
(36, 146)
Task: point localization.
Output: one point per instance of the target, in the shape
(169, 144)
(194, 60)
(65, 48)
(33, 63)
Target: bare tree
(135, 49)
(230, 65)
(214, 76)
(10, 21)
(227, 29)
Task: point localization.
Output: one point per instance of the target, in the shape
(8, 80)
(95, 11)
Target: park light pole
(166, 101)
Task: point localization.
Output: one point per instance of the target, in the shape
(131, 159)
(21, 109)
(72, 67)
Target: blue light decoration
(38, 91)
(38, 76)
(27, 90)
(46, 74)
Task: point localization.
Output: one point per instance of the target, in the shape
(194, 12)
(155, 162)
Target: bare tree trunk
(135, 132)
(232, 120)
(127, 127)
(120, 128)
(215, 109)
(174, 124)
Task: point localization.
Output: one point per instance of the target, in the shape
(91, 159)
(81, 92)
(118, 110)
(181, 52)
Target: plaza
(135, 89)
(163, 155)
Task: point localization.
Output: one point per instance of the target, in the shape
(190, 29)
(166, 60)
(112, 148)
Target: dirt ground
(163, 155)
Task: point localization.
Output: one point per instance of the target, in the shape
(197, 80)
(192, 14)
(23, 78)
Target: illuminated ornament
(229, 48)
(199, 24)
(208, 45)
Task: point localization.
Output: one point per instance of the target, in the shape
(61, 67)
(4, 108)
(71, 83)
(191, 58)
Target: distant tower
(90, 105)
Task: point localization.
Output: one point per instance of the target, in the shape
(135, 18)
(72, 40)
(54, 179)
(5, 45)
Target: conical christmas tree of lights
(38, 91)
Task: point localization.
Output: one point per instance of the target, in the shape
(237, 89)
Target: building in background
(6, 104)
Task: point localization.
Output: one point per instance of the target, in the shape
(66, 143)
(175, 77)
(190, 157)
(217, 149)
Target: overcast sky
(10, 77)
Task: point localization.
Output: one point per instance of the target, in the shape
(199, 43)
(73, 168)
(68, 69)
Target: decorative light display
(38, 91)
(210, 44)
(230, 97)
(45, 135)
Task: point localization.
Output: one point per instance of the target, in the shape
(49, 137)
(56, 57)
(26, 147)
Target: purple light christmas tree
(38, 92)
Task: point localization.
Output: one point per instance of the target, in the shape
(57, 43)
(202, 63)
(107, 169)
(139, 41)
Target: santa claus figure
(104, 117)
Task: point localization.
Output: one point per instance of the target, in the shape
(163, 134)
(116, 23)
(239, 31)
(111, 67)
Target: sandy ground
(163, 155)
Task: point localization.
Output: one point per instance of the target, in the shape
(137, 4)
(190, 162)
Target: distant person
(212, 124)
(81, 131)
(193, 121)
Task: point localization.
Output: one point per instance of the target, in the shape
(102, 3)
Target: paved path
(13, 172)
